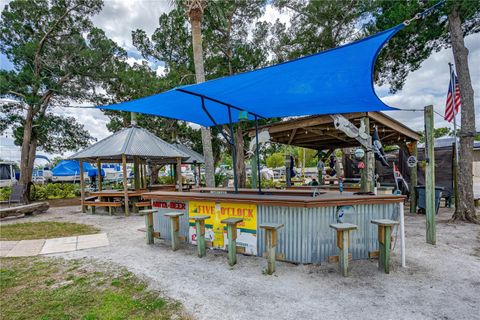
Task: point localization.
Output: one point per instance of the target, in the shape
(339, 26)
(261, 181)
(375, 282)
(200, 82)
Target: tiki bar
(300, 224)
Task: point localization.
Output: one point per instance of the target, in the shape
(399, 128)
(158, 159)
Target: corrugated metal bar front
(162, 224)
(308, 238)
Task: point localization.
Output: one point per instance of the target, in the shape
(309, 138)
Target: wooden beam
(125, 184)
(82, 187)
(179, 174)
(393, 124)
(292, 135)
(413, 181)
(99, 175)
(430, 206)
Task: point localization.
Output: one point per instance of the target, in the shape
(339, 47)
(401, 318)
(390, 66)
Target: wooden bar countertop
(323, 200)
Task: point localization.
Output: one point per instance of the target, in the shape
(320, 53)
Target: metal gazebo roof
(195, 157)
(132, 142)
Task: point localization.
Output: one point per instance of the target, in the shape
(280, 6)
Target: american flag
(453, 99)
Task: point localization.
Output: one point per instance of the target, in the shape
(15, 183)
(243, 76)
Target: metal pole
(258, 156)
(234, 152)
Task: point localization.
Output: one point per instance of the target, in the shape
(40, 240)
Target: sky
(426, 86)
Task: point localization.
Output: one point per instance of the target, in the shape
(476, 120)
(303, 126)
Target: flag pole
(453, 85)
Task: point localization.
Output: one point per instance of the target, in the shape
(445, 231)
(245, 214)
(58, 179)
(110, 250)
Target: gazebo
(134, 145)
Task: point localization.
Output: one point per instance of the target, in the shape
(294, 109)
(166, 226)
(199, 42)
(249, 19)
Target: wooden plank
(373, 254)
(232, 244)
(292, 135)
(82, 188)
(125, 184)
(430, 176)
(99, 175)
(393, 124)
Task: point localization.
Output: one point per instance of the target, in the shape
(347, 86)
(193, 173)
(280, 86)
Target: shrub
(5, 193)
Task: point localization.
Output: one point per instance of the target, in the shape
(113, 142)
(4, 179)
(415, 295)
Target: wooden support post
(430, 205)
(343, 242)
(366, 174)
(174, 228)
(454, 175)
(82, 188)
(384, 240)
(200, 231)
(179, 174)
(99, 175)
(413, 181)
(125, 184)
(232, 239)
(271, 244)
(148, 213)
(136, 173)
(288, 176)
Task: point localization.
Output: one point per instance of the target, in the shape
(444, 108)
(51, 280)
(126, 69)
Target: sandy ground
(440, 282)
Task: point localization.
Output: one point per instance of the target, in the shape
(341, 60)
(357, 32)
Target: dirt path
(440, 282)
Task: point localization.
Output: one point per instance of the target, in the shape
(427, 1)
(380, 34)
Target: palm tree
(194, 10)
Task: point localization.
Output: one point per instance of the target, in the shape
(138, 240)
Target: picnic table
(134, 196)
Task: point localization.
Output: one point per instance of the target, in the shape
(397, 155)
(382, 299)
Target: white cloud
(272, 14)
(161, 70)
(119, 18)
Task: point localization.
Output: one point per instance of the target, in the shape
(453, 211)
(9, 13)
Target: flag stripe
(454, 99)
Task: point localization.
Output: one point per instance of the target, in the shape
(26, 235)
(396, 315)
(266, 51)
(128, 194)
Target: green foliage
(437, 133)
(409, 48)
(275, 160)
(166, 180)
(220, 179)
(46, 192)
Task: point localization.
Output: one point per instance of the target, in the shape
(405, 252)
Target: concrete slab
(92, 241)
(26, 248)
(7, 245)
(56, 246)
(64, 240)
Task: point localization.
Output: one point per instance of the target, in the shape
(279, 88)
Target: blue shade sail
(339, 80)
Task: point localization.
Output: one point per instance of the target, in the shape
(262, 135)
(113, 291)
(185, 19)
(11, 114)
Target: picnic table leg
(92, 209)
(149, 227)
(232, 244)
(174, 228)
(271, 241)
(200, 229)
(384, 243)
(343, 243)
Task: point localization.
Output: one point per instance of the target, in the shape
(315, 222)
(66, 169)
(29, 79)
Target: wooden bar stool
(174, 228)
(200, 230)
(384, 233)
(343, 242)
(271, 243)
(232, 238)
(148, 213)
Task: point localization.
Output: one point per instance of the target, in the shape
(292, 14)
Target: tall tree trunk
(195, 15)
(26, 163)
(466, 208)
(240, 152)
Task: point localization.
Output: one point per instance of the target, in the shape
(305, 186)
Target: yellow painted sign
(223, 210)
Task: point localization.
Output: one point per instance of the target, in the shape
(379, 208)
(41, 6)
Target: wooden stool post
(174, 228)
(384, 235)
(232, 238)
(271, 243)
(148, 223)
(200, 230)
(343, 242)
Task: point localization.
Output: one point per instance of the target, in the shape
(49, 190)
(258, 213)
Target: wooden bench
(174, 228)
(384, 233)
(110, 205)
(143, 204)
(148, 223)
(271, 243)
(232, 238)
(200, 232)
(343, 242)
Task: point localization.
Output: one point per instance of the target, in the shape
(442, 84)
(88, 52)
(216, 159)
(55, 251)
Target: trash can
(421, 198)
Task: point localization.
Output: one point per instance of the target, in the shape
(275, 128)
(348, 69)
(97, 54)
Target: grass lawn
(43, 230)
(45, 288)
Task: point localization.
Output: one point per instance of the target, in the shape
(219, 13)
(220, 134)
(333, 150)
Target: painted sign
(216, 232)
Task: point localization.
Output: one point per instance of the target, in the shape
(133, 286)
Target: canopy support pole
(234, 150)
(258, 156)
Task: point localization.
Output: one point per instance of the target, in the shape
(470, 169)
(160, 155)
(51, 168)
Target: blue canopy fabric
(339, 80)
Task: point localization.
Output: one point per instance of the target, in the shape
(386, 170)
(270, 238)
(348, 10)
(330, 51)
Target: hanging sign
(215, 231)
(412, 161)
(361, 165)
